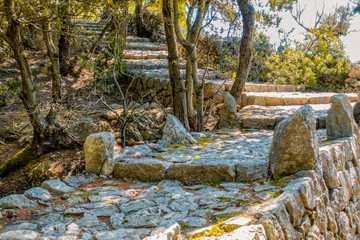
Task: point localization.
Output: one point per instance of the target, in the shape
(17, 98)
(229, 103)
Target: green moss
(23, 158)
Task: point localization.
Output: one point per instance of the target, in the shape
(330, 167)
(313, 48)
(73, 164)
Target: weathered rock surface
(17, 201)
(175, 133)
(98, 147)
(340, 121)
(38, 193)
(291, 137)
(355, 72)
(57, 186)
(228, 112)
(148, 169)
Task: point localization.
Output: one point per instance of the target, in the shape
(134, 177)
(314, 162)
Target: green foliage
(274, 194)
(280, 181)
(319, 62)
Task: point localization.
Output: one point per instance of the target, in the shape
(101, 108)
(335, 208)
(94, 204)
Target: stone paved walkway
(91, 207)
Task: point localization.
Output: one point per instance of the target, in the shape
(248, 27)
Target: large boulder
(175, 133)
(294, 146)
(98, 147)
(355, 72)
(340, 121)
(228, 112)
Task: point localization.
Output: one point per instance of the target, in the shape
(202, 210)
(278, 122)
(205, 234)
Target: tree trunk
(140, 29)
(193, 31)
(189, 86)
(55, 72)
(246, 47)
(177, 83)
(65, 65)
(101, 36)
(29, 93)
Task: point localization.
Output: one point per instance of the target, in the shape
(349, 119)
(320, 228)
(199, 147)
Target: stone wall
(318, 204)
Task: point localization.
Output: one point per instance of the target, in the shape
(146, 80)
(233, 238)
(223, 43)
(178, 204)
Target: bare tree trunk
(193, 31)
(101, 36)
(65, 66)
(55, 72)
(140, 29)
(177, 83)
(246, 47)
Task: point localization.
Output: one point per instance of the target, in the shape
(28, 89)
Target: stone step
(288, 98)
(148, 64)
(140, 54)
(164, 73)
(136, 39)
(146, 46)
(256, 87)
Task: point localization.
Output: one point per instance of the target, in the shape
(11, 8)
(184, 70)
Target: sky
(351, 41)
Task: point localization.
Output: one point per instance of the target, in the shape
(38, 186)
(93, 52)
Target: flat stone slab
(267, 117)
(289, 98)
(136, 39)
(145, 54)
(148, 64)
(146, 46)
(163, 73)
(255, 87)
(57, 186)
(148, 169)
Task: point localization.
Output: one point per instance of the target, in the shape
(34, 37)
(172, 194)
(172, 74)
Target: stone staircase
(263, 105)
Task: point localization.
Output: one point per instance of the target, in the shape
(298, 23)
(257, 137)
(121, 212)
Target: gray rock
(251, 171)
(183, 203)
(84, 128)
(98, 147)
(21, 226)
(340, 121)
(88, 220)
(136, 205)
(105, 211)
(203, 171)
(175, 133)
(17, 201)
(171, 233)
(19, 235)
(57, 186)
(54, 229)
(74, 201)
(149, 217)
(73, 228)
(228, 112)
(74, 212)
(123, 234)
(77, 181)
(194, 221)
(117, 220)
(38, 193)
(136, 151)
(145, 170)
(295, 145)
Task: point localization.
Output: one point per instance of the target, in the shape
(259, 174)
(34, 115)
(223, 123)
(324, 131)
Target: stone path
(267, 117)
(91, 207)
